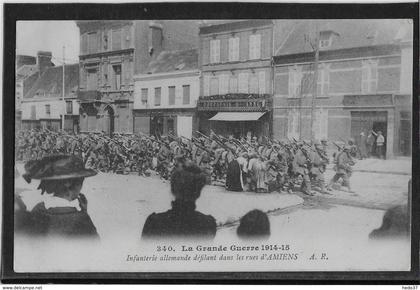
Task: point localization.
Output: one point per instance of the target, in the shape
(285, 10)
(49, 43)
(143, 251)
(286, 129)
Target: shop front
(236, 114)
(390, 114)
(163, 122)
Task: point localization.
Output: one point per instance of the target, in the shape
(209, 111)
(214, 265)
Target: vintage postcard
(213, 145)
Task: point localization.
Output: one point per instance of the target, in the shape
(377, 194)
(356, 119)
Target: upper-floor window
(33, 112)
(92, 79)
(185, 94)
(325, 39)
(295, 80)
(255, 46)
(323, 82)
(48, 110)
(116, 39)
(253, 84)
(214, 86)
(233, 84)
(117, 77)
(171, 95)
(105, 40)
(223, 84)
(261, 82)
(158, 96)
(215, 51)
(234, 49)
(144, 96)
(92, 42)
(243, 83)
(69, 107)
(369, 76)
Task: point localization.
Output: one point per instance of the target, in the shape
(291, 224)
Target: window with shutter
(369, 76)
(144, 96)
(224, 84)
(214, 86)
(243, 83)
(92, 45)
(261, 82)
(233, 85)
(253, 84)
(186, 94)
(116, 39)
(234, 49)
(206, 85)
(215, 50)
(157, 96)
(255, 46)
(171, 95)
(296, 81)
(83, 44)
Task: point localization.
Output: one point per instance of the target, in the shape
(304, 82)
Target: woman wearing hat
(63, 211)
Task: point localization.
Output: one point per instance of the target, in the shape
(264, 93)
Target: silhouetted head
(187, 181)
(254, 224)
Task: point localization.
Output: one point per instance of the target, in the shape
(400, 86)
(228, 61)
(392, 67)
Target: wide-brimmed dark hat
(56, 167)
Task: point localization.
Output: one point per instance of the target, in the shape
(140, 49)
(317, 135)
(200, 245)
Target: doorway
(108, 122)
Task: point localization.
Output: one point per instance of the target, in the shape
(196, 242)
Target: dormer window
(326, 38)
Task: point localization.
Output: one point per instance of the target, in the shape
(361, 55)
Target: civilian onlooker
(254, 225)
(182, 220)
(380, 144)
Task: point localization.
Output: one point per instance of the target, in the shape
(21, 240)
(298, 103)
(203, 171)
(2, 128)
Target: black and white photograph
(213, 145)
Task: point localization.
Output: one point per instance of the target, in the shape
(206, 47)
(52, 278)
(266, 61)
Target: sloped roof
(25, 71)
(348, 33)
(49, 84)
(171, 61)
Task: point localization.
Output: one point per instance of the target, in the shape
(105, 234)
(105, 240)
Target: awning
(237, 116)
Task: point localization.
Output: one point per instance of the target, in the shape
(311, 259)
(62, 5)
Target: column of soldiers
(265, 166)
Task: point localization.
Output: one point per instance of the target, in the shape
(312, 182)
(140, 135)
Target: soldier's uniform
(343, 168)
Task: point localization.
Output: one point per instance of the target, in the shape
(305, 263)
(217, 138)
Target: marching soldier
(343, 169)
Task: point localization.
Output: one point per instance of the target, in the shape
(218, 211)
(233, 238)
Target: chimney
(44, 61)
(155, 38)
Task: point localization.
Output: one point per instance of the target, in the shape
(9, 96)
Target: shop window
(171, 126)
(185, 94)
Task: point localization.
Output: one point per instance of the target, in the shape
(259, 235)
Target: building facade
(43, 106)
(165, 98)
(111, 52)
(235, 61)
(363, 84)
(27, 72)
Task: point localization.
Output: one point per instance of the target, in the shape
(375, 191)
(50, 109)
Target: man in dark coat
(182, 220)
